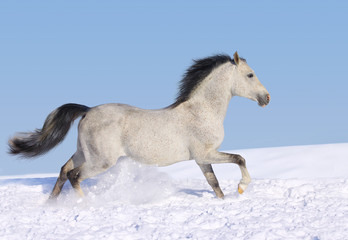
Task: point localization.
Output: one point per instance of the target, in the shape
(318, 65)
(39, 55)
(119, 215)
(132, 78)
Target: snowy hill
(297, 193)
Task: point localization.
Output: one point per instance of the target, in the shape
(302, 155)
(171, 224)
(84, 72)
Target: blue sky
(135, 52)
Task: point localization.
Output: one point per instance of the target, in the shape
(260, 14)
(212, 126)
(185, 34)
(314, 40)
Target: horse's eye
(250, 75)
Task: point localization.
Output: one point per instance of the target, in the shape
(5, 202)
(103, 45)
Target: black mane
(196, 74)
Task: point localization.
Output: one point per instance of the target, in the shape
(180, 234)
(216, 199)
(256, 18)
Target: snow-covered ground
(296, 193)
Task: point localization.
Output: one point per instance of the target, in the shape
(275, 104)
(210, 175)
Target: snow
(297, 192)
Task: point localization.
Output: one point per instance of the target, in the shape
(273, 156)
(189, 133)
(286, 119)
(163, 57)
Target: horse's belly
(157, 151)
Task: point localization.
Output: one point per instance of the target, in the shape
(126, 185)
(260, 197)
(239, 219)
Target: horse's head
(247, 84)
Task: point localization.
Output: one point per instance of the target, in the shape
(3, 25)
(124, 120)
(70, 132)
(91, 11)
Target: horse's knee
(238, 159)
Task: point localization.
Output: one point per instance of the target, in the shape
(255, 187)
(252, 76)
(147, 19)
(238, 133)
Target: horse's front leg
(219, 157)
(211, 179)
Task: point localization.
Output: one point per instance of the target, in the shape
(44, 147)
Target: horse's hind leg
(211, 178)
(75, 179)
(62, 178)
(78, 174)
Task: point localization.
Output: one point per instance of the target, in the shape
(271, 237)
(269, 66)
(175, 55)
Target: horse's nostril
(268, 97)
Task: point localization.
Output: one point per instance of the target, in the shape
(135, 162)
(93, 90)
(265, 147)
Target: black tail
(55, 128)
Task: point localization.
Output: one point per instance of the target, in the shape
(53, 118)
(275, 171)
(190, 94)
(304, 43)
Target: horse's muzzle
(263, 100)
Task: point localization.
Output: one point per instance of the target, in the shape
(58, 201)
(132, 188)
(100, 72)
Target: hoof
(221, 196)
(243, 185)
(240, 190)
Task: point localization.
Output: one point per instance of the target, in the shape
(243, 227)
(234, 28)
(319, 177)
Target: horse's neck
(212, 97)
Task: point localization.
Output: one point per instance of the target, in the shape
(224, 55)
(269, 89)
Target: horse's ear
(236, 58)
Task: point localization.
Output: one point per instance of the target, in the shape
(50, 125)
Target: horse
(189, 129)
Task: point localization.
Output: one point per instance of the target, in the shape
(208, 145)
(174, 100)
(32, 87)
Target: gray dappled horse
(190, 128)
